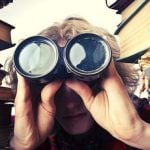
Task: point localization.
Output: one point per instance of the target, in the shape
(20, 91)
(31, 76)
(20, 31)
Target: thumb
(49, 91)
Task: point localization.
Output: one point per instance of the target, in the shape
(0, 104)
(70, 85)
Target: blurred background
(31, 16)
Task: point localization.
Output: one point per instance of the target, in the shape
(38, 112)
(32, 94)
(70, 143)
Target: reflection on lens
(77, 54)
(37, 58)
(87, 55)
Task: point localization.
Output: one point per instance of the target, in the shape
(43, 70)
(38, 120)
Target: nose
(67, 97)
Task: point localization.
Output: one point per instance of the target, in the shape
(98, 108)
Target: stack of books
(4, 3)
(5, 35)
(6, 93)
(134, 29)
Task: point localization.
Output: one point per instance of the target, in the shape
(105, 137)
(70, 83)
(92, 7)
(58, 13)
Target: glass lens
(37, 58)
(89, 54)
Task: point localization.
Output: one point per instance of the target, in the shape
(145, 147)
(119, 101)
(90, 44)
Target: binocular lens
(87, 54)
(37, 58)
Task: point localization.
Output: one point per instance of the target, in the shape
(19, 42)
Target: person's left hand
(111, 107)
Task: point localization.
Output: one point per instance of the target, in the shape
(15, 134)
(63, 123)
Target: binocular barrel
(40, 59)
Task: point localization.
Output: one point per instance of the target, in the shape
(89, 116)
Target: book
(5, 3)
(134, 29)
(6, 94)
(130, 9)
(2, 75)
(5, 35)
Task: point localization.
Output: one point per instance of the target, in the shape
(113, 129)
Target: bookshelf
(4, 3)
(5, 35)
(6, 94)
(134, 29)
(5, 43)
(6, 104)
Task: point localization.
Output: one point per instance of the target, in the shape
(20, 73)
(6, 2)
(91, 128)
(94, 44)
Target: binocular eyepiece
(40, 59)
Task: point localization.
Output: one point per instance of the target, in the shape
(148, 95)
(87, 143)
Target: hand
(111, 107)
(33, 123)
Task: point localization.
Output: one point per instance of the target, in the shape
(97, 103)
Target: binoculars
(42, 60)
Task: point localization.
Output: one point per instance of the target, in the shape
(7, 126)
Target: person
(68, 114)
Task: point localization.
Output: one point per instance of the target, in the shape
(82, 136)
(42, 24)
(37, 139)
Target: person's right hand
(33, 126)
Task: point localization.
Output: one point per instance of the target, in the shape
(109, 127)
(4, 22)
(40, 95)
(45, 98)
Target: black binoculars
(40, 59)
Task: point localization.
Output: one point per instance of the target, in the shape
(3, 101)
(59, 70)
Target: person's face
(71, 113)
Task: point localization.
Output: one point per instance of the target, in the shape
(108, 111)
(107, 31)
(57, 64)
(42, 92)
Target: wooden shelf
(5, 35)
(5, 45)
(6, 94)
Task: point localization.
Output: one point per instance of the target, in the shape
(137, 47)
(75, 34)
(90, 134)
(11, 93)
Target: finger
(48, 93)
(118, 97)
(23, 104)
(24, 121)
(46, 111)
(111, 70)
(112, 80)
(82, 89)
(22, 88)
